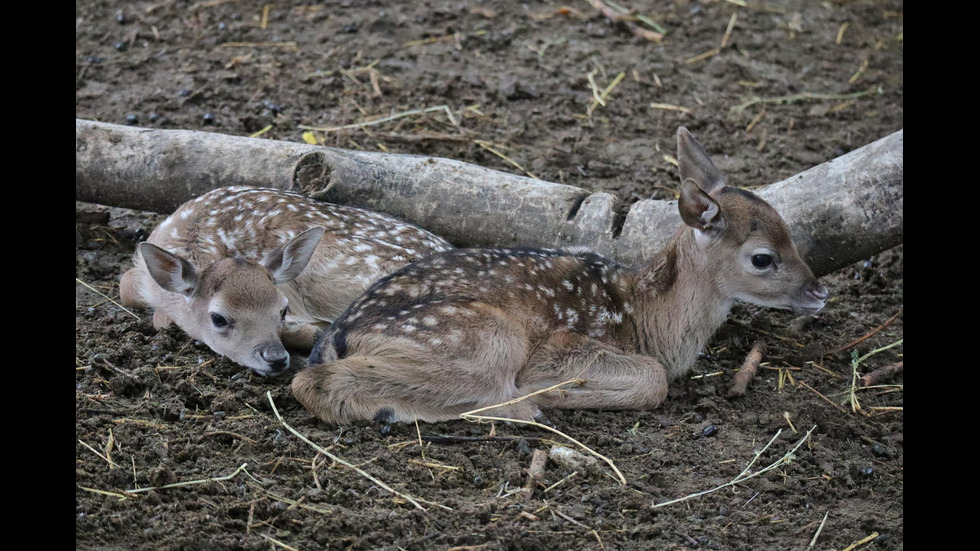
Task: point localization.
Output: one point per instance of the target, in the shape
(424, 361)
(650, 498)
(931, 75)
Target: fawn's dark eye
(761, 260)
(218, 321)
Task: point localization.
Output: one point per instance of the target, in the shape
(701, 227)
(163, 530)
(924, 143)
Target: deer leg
(610, 379)
(161, 320)
(401, 378)
(128, 290)
(301, 336)
(389, 390)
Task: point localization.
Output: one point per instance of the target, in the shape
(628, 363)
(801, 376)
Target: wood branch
(748, 370)
(881, 374)
(839, 212)
(535, 472)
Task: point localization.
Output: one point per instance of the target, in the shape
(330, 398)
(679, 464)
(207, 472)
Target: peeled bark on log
(839, 212)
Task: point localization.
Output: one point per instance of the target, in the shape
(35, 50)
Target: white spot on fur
(572, 316)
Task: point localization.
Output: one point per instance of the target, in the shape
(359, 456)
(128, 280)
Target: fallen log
(839, 212)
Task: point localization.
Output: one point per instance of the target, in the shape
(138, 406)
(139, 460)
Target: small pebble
(275, 109)
(710, 430)
(866, 472)
(208, 118)
(385, 430)
(132, 119)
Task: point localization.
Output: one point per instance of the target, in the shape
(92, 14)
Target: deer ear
(695, 165)
(291, 259)
(697, 208)
(170, 271)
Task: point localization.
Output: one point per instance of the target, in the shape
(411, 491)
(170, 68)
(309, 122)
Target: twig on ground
(803, 96)
(94, 290)
(489, 147)
(121, 497)
(705, 55)
(746, 474)
(289, 45)
(670, 107)
(861, 542)
(103, 456)
(870, 334)
(819, 529)
(472, 416)
(560, 482)
(292, 502)
(452, 439)
(728, 31)
(599, 98)
(750, 327)
(855, 362)
(406, 497)
(624, 17)
(195, 482)
(434, 465)
(535, 472)
(825, 370)
(789, 421)
(880, 375)
(555, 511)
(828, 400)
(270, 539)
(748, 370)
(444, 108)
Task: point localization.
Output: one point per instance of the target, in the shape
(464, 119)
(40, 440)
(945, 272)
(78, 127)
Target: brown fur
(470, 328)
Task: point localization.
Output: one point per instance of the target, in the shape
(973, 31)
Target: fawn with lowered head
(246, 269)
(470, 328)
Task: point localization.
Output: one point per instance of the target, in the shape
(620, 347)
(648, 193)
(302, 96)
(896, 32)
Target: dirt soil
(155, 409)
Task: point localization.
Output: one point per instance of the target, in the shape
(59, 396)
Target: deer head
(233, 305)
(748, 242)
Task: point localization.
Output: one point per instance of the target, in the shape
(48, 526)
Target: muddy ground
(154, 409)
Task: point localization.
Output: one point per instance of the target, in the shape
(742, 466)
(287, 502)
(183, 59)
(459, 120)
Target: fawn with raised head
(471, 328)
(247, 269)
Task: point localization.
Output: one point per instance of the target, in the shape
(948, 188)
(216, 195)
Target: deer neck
(677, 304)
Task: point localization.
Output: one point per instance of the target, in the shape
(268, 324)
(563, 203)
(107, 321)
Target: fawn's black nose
(820, 292)
(276, 356)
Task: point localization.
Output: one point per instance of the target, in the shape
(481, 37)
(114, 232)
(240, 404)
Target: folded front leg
(611, 379)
